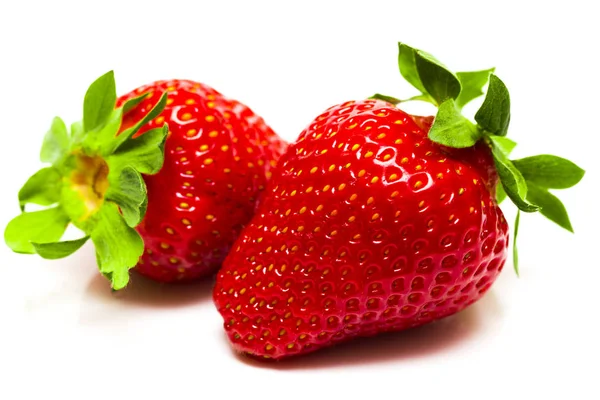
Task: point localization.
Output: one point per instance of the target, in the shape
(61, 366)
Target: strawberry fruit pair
(373, 220)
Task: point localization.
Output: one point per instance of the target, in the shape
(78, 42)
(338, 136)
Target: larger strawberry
(167, 175)
(380, 221)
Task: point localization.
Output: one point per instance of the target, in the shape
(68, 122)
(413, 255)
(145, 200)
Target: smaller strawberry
(381, 221)
(163, 178)
(218, 158)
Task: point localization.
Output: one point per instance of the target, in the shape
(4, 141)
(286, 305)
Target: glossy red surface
(367, 227)
(218, 158)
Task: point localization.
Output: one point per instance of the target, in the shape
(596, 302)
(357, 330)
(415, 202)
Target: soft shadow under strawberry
(425, 341)
(144, 292)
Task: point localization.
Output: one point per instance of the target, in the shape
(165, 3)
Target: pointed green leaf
(439, 82)
(504, 144)
(107, 137)
(153, 113)
(420, 97)
(103, 141)
(500, 194)
(494, 114)
(408, 67)
(472, 84)
(118, 246)
(515, 250)
(56, 250)
(513, 182)
(435, 82)
(550, 171)
(451, 129)
(99, 102)
(144, 153)
(76, 131)
(41, 188)
(56, 142)
(129, 192)
(551, 207)
(132, 103)
(383, 97)
(38, 226)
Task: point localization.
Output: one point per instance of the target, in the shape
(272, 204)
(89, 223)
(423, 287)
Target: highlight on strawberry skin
(380, 221)
(162, 180)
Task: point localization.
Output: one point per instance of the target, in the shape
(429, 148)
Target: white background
(62, 332)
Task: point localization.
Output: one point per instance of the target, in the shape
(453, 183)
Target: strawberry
(379, 221)
(218, 158)
(163, 178)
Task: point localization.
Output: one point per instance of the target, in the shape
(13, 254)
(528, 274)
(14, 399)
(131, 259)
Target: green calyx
(93, 181)
(526, 182)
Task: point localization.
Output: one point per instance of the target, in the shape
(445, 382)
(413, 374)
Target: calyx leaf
(472, 84)
(128, 190)
(550, 171)
(38, 226)
(551, 207)
(494, 114)
(408, 66)
(118, 246)
(389, 99)
(439, 82)
(144, 153)
(103, 141)
(512, 181)
(133, 103)
(504, 144)
(42, 188)
(99, 102)
(451, 129)
(130, 132)
(56, 250)
(436, 82)
(76, 131)
(500, 194)
(56, 142)
(515, 250)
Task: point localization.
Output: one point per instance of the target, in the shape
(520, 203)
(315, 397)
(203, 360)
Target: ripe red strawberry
(218, 157)
(376, 221)
(369, 227)
(167, 175)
